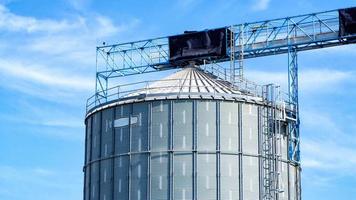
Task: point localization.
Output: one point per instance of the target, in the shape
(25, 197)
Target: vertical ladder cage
(272, 115)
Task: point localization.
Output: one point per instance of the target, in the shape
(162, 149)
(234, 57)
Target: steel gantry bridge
(288, 35)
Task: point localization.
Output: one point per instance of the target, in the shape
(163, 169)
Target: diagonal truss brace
(294, 152)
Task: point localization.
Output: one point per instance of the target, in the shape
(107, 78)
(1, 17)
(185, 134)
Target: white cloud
(260, 5)
(79, 4)
(72, 38)
(38, 183)
(327, 144)
(311, 80)
(44, 75)
(12, 22)
(328, 155)
(55, 54)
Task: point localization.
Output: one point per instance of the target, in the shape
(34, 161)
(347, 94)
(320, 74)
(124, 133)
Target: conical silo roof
(187, 83)
(188, 80)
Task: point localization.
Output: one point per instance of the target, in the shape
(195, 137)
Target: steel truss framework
(248, 40)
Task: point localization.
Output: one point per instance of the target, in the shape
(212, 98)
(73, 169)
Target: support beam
(293, 101)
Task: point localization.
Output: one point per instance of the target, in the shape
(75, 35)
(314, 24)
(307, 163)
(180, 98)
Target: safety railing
(165, 86)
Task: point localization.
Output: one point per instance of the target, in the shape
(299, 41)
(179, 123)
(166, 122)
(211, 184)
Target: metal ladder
(236, 66)
(270, 137)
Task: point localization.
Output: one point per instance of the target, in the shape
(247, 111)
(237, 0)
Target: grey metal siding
(179, 150)
(160, 176)
(206, 125)
(139, 140)
(138, 179)
(249, 129)
(160, 125)
(183, 125)
(251, 178)
(122, 138)
(206, 176)
(121, 178)
(229, 177)
(229, 127)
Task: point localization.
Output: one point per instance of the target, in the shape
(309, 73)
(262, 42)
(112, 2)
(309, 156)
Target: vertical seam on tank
(171, 152)
(195, 146)
(240, 151)
(85, 158)
(149, 138)
(100, 140)
(113, 153)
(218, 155)
(259, 132)
(90, 157)
(130, 166)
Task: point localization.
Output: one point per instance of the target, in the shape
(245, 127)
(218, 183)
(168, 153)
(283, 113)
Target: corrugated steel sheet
(188, 80)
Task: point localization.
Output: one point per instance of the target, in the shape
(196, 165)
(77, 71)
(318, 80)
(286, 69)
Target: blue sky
(47, 69)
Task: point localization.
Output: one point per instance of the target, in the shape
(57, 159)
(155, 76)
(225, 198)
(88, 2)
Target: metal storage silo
(189, 136)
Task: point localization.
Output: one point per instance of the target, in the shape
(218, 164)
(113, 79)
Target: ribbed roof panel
(188, 80)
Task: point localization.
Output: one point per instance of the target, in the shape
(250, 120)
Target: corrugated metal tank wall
(181, 150)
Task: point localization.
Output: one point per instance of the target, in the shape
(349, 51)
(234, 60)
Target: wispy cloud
(260, 5)
(311, 80)
(79, 4)
(328, 155)
(38, 183)
(73, 38)
(12, 22)
(327, 145)
(56, 55)
(44, 75)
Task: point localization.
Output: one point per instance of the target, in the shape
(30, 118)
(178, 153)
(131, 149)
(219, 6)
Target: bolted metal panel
(121, 178)
(160, 125)
(206, 125)
(160, 176)
(292, 182)
(249, 129)
(139, 134)
(183, 145)
(284, 147)
(122, 138)
(284, 182)
(107, 131)
(229, 177)
(183, 125)
(106, 180)
(88, 137)
(139, 178)
(250, 178)
(179, 149)
(229, 126)
(87, 183)
(96, 137)
(87, 158)
(183, 176)
(206, 185)
(94, 181)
